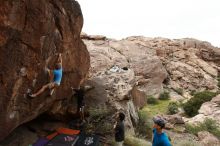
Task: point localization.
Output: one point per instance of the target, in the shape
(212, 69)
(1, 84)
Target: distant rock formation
(31, 33)
(186, 64)
(132, 68)
(191, 64)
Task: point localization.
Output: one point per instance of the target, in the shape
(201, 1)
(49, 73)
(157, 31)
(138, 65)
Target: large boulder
(148, 68)
(31, 34)
(124, 72)
(111, 69)
(112, 79)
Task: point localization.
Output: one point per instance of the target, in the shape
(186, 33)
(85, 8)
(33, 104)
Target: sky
(172, 19)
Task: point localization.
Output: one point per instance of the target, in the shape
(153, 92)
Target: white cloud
(199, 19)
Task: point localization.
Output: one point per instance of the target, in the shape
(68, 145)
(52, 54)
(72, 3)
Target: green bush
(208, 125)
(179, 91)
(152, 100)
(192, 106)
(212, 127)
(164, 96)
(193, 129)
(173, 108)
(157, 109)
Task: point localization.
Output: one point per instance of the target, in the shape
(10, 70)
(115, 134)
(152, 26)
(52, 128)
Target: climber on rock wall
(55, 78)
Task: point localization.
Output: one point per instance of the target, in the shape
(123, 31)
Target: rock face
(112, 78)
(148, 69)
(191, 64)
(208, 139)
(209, 110)
(186, 64)
(131, 68)
(123, 64)
(31, 33)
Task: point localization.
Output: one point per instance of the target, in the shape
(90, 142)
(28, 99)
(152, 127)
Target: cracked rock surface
(32, 32)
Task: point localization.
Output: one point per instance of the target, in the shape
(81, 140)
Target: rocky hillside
(31, 34)
(188, 64)
(122, 73)
(129, 70)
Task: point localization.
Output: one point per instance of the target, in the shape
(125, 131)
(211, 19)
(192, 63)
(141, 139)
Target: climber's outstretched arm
(59, 59)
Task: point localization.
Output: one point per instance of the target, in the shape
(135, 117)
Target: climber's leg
(41, 90)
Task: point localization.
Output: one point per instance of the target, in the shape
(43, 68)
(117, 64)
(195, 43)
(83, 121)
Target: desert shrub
(99, 120)
(164, 96)
(193, 129)
(96, 113)
(104, 128)
(192, 106)
(173, 108)
(192, 92)
(134, 141)
(145, 123)
(179, 91)
(157, 109)
(152, 100)
(212, 127)
(208, 125)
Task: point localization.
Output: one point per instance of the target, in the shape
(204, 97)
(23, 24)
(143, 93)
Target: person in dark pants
(119, 129)
(79, 94)
(159, 137)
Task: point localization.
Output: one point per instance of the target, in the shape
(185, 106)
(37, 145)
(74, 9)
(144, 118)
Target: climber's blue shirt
(57, 75)
(160, 139)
